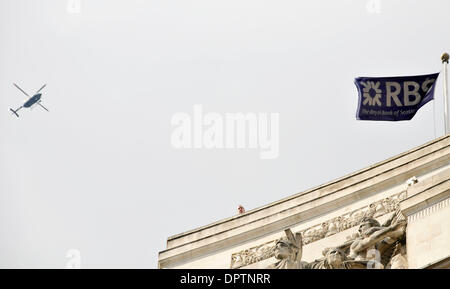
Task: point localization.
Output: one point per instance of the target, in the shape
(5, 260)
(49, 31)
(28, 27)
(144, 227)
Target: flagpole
(444, 59)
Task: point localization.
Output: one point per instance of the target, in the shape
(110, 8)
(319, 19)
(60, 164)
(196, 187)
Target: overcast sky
(98, 173)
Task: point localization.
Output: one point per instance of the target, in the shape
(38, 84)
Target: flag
(393, 98)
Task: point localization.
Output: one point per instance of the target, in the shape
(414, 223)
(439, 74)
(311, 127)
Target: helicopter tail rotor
(15, 111)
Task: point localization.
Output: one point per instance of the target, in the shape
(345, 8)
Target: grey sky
(98, 173)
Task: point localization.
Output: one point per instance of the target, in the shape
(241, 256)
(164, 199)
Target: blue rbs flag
(393, 98)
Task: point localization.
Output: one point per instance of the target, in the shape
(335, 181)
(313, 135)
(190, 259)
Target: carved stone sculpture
(334, 259)
(337, 225)
(376, 243)
(288, 252)
(376, 246)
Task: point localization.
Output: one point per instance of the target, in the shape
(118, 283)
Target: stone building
(393, 214)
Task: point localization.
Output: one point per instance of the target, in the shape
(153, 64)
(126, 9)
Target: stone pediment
(321, 212)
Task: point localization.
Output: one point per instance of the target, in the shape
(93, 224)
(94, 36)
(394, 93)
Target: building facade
(393, 214)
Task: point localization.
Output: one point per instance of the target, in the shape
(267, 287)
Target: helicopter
(33, 100)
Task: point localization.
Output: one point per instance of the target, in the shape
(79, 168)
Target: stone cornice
(427, 197)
